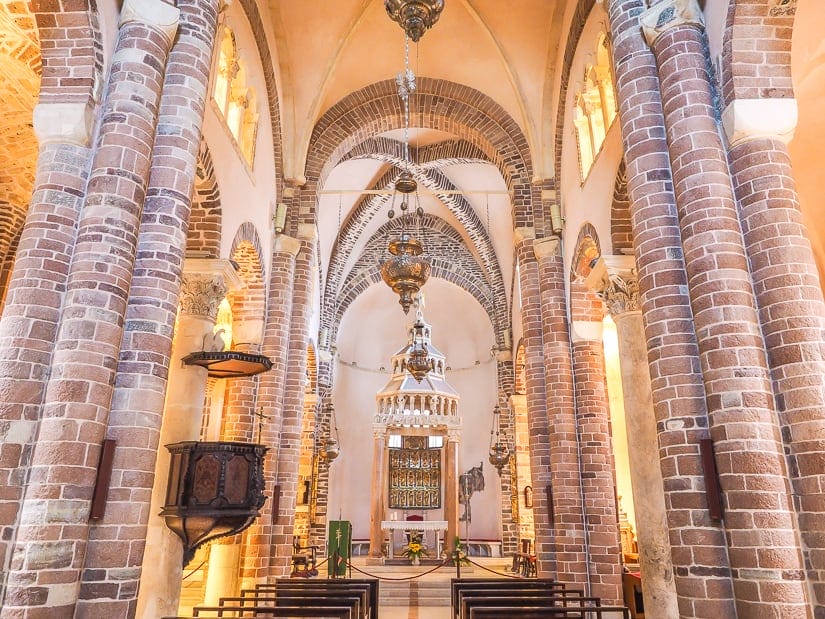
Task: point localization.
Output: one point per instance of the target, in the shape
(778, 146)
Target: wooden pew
(532, 612)
(534, 584)
(314, 612)
(372, 585)
(312, 598)
(484, 599)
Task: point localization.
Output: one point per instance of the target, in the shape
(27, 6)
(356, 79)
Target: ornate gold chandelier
(414, 16)
(499, 454)
(406, 271)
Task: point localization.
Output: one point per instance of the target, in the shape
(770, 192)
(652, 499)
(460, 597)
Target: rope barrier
(195, 569)
(360, 571)
(516, 576)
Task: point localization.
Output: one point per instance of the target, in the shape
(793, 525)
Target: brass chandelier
(406, 271)
(414, 16)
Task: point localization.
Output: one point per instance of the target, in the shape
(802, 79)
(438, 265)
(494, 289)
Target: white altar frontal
(416, 525)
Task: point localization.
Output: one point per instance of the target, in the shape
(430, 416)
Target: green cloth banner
(339, 547)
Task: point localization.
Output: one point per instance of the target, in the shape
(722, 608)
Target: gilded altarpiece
(415, 475)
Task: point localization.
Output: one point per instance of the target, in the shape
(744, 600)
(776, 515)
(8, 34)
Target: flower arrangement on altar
(415, 549)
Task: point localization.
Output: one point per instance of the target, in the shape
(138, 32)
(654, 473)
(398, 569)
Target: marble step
(414, 593)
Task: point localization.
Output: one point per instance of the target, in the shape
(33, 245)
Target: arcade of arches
(622, 208)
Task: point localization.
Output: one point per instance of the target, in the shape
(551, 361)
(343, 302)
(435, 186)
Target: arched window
(235, 100)
(595, 107)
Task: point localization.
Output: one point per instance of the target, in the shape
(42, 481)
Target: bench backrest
(317, 612)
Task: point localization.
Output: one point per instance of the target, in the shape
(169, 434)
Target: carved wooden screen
(415, 475)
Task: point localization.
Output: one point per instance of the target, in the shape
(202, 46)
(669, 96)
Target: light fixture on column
(414, 16)
(406, 271)
(330, 447)
(499, 452)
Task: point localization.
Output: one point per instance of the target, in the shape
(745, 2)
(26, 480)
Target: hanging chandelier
(330, 448)
(414, 16)
(499, 452)
(419, 361)
(406, 271)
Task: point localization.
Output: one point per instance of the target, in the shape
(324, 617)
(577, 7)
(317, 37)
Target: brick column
(258, 550)
(614, 278)
(205, 283)
(521, 455)
(563, 440)
(110, 580)
(698, 547)
(507, 478)
(598, 488)
(528, 268)
(789, 297)
(765, 557)
(320, 481)
(38, 281)
(289, 443)
(79, 392)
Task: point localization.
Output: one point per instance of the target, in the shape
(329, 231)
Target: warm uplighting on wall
(234, 98)
(595, 107)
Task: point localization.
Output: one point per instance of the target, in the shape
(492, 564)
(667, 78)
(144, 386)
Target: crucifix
(261, 417)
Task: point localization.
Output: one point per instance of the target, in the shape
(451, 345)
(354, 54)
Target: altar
(416, 525)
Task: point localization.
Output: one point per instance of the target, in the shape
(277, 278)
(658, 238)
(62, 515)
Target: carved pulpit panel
(415, 475)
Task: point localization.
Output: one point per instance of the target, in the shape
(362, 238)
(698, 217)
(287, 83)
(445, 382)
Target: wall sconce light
(279, 219)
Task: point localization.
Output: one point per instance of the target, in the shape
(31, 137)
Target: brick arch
(435, 180)
(621, 235)
(453, 263)
(248, 304)
(437, 104)
(577, 23)
(204, 235)
(758, 71)
(256, 24)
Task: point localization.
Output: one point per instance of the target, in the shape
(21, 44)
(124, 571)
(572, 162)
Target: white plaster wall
(246, 195)
(372, 330)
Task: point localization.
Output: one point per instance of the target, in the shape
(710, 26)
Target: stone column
(379, 488)
(563, 440)
(521, 453)
(619, 289)
(598, 487)
(289, 442)
(789, 297)
(545, 545)
(275, 345)
(110, 580)
(743, 425)
(205, 283)
(698, 546)
(451, 489)
(38, 281)
(79, 391)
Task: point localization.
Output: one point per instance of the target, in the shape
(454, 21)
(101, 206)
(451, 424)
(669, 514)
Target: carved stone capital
(669, 14)
(204, 285)
(156, 14)
(615, 280)
(66, 123)
(201, 295)
(547, 248)
(750, 119)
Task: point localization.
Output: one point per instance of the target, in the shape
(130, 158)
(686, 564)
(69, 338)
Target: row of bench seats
(495, 598)
(342, 598)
